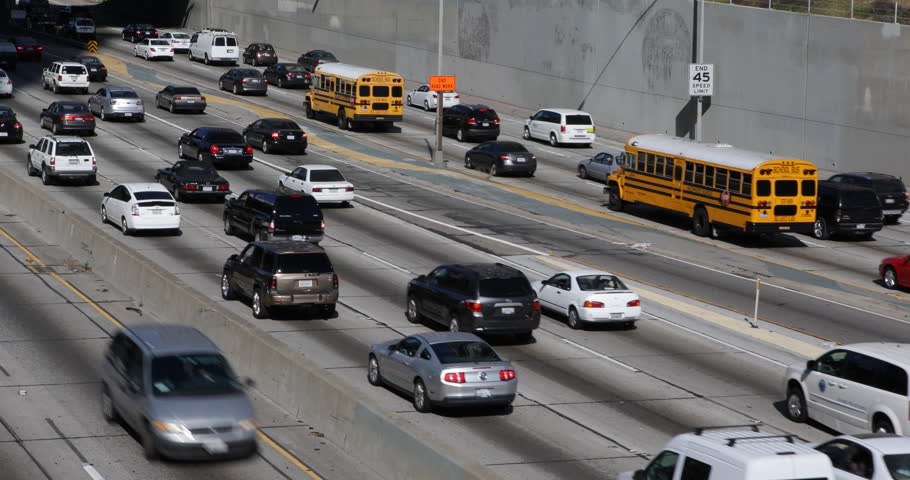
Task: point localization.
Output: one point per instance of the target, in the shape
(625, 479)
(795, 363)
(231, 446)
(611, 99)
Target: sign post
(701, 84)
(440, 84)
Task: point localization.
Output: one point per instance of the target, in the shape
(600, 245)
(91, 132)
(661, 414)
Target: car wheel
(553, 142)
(426, 105)
(582, 173)
(701, 226)
(29, 167)
(260, 311)
(45, 177)
(262, 236)
(614, 202)
(374, 376)
(236, 90)
(180, 154)
(881, 424)
(171, 108)
(103, 215)
(55, 88)
(228, 228)
(103, 116)
(349, 124)
(820, 229)
(149, 449)
(494, 171)
(146, 56)
(459, 135)
(328, 310)
(108, 411)
(527, 134)
(205, 59)
(309, 111)
(227, 292)
(453, 324)
(468, 163)
(178, 197)
(412, 313)
(796, 405)
(281, 83)
(892, 219)
(421, 398)
(890, 278)
(124, 227)
(265, 146)
(91, 180)
(573, 321)
(55, 128)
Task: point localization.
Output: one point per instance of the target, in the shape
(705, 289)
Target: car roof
(842, 186)
(120, 89)
(70, 64)
(69, 102)
(218, 130)
(871, 175)
(506, 144)
(290, 246)
(747, 446)
(587, 271)
(443, 337)
(318, 52)
(477, 106)
(892, 352)
(172, 339)
(722, 153)
(490, 270)
(318, 167)
(886, 443)
(566, 111)
(144, 187)
(66, 138)
(6, 108)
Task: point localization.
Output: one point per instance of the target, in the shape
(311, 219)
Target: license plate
(94, 69)
(291, 137)
(380, 118)
(157, 211)
(208, 189)
(230, 50)
(508, 310)
(615, 315)
(74, 161)
(521, 160)
(484, 393)
(892, 212)
(4, 134)
(860, 226)
(215, 446)
(74, 79)
(191, 101)
(305, 283)
(889, 200)
(127, 114)
(231, 150)
(486, 124)
(296, 237)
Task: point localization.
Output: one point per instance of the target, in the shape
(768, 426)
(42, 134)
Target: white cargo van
(214, 45)
(729, 454)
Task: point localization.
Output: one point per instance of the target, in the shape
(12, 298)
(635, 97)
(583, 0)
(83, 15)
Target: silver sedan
(117, 102)
(598, 167)
(444, 368)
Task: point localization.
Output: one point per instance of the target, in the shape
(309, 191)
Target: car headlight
(170, 427)
(249, 424)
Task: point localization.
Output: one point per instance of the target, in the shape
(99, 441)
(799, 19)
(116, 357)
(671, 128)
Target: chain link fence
(889, 11)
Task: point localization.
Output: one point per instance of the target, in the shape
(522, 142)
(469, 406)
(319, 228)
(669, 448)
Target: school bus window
(641, 161)
(380, 91)
(763, 188)
(720, 178)
(678, 173)
(659, 167)
(747, 184)
(709, 176)
(690, 172)
(699, 174)
(734, 181)
(669, 170)
(364, 91)
(396, 91)
(786, 188)
(808, 188)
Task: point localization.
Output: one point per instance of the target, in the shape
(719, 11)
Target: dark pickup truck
(266, 215)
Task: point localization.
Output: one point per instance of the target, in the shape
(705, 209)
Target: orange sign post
(442, 83)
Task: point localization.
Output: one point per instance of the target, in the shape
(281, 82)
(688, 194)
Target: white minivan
(214, 45)
(728, 454)
(853, 389)
(559, 126)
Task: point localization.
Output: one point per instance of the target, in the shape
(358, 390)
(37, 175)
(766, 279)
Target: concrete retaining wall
(392, 446)
(830, 90)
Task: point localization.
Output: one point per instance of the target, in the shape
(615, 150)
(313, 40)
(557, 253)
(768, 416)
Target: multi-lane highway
(591, 402)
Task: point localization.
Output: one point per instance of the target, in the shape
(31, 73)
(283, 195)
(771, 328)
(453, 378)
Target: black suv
(268, 215)
(482, 298)
(314, 58)
(890, 189)
(282, 273)
(848, 209)
(470, 122)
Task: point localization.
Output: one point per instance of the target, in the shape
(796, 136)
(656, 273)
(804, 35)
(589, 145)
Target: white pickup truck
(62, 75)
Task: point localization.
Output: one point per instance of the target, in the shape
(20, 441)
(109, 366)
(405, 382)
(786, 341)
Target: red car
(27, 47)
(895, 271)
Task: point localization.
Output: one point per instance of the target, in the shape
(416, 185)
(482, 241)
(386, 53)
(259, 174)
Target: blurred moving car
(483, 298)
(272, 134)
(501, 157)
(137, 32)
(288, 75)
(6, 84)
(189, 179)
(8, 56)
(243, 81)
(10, 128)
(324, 182)
(314, 58)
(60, 117)
(178, 98)
(891, 191)
(266, 215)
(57, 157)
(117, 102)
(97, 72)
(260, 53)
(895, 271)
(470, 122)
(80, 27)
(598, 167)
(141, 206)
(427, 98)
(281, 274)
(452, 369)
(175, 389)
(27, 48)
(560, 126)
(874, 456)
(179, 41)
(151, 48)
(589, 296)
(220, 146)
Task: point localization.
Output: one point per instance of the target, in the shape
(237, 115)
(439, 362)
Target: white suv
(65, 75)
(560, 125)
(56, 157)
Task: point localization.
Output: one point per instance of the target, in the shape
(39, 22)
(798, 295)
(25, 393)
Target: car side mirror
(107, 194)
(393, 348)
(233, 257)
(248, 382)
(43, 110)
(638, 475)
(811, 365)
(545, 282)
(32, 146)
(531, 117)
(421, 278)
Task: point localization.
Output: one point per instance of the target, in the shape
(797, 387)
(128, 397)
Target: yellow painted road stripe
(288, 455)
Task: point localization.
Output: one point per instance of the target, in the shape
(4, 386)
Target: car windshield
(24, 41)
(197, 169)
(578, 120)
(186, 91)
(295, 68)
(326, 176)
(7, 114)
(295, 205)
(317, 262)
(143, 26)
(69, 149)
(84, 23)
(593, 283)
(225, 137)
(231, 42)
(193, 374)
(464, 352)
(898, 465)
(860, 199)
(89, 61)
(267, 48)
(889, 186)
(74, 108)
(510, 147)
(284, 125)
(123, 94)
(2, 74)
(485, 114)
(325, 56)
(249, 73)
(162, 43)
(505, 287)
(153, 196)
(74, 70)
(181, 36)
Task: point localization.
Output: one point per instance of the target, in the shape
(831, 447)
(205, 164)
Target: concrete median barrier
(394, 447)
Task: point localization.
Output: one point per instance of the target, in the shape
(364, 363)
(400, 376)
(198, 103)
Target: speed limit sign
(701, 79)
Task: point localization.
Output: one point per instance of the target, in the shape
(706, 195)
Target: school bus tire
(310, 113)
(701, 224)
(614, 201)
(342, 121)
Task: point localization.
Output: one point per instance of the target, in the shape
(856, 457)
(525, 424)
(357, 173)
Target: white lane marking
(716, 340)
(178, 127)
(200, 67)
(814, 244)
(90, 470)
(396, 267)
(460, 146)
(595, 184)
(592, 352)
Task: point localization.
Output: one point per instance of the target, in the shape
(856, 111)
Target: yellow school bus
(355, 95)
(718, 186)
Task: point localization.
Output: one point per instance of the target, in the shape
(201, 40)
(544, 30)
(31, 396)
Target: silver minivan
(173, 387)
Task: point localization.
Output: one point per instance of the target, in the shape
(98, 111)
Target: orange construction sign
(442, 83)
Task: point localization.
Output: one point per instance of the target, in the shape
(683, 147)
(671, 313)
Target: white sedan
(179, 41)
(149, 48)
(426, 98)
(140, 206)
(324, 182)
(591, 296)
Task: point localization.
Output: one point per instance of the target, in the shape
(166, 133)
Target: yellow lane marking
(288, 455)
(34, 258)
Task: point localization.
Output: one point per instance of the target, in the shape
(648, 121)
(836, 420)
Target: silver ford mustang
(443, 368)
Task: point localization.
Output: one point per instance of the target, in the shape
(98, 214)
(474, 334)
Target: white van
(559, 126)
(727, 454)
(853, 389)
(214, 45)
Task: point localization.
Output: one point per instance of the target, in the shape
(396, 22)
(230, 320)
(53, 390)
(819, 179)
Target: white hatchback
(324, 182)
(589, 296)
(141, 206)
(149, 48)
(559, 126)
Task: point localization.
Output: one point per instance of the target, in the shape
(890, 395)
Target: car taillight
(202, 99)
(764, 203)
(191, 187)
(275, 135)
(94, 162)
(112, 102)
(533, 158)
(457, 96)
(138, 32)
(40, 48)
(8, 81)
(535, 305)
(224, 187)
(17, 126)
(303, 135)
(562, 128)
(349, 189)
(808, 203)
(60, 77)
(496, 121)
(334, 281)
(273, 284)
(837, 214)
(907, 196)
(243, 81)
(590, 304)
(103, 69)
(473, 306)
(317, 189)
(214, 149)
(135, 210)
(322, 224)
(272, 226)
(506, 375)
(505, 157)
(176, 209)
(633, 303)
(248, 150)
(454, 377)
(307, 75)
(471, 121)
(18, 48)
(69, 117)
(178, 98)
(353, 99)
(152, 49)
(88, 117)
(53, 161)
(265, 81)
(364, 102)
(434, 95)
(139, 102)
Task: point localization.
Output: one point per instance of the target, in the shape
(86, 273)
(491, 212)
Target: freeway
(591, 401)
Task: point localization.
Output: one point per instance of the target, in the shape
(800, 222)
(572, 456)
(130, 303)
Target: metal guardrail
(885, 11)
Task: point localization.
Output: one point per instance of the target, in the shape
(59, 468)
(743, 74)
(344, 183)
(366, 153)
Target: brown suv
(281, 273)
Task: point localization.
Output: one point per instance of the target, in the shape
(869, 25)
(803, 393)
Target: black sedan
(314, 58)
(27, 48)
(10, 128)
(260, 54)
(288, 75)
(243, 80)
(276, 134)
(220, 146)
(190, 179)
(176, 98)
(61, 117)
(501, 157)
(137, 32)
(97, 72)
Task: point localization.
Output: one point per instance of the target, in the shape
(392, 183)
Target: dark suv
(482, 298)
(467, 122)
(282, 273)
(890, 189)
(268, 215)
(848, 209)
